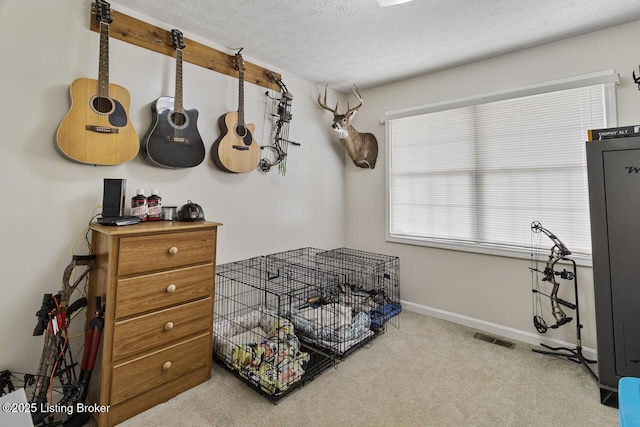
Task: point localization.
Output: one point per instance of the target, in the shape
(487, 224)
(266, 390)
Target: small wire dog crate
(370, 272)
(312, 302)
(368, 281)
(251, 335)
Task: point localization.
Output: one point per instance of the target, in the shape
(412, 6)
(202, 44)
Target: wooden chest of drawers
(157, 281)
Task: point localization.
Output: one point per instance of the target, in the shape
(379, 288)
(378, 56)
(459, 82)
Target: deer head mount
(361, 147)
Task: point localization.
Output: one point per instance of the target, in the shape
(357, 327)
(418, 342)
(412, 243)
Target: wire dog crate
(253, 338)
(372, 273)
(368, 282)
(312, 302)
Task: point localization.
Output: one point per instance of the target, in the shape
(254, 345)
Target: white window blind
(478, 175)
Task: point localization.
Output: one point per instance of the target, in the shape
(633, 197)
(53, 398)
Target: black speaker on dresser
(113, 198)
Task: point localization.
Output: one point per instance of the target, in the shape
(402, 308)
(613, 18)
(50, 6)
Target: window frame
(609, 78)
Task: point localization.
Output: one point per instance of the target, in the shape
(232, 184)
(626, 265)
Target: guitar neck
(178, 97)
(103, 61)
(241, 97)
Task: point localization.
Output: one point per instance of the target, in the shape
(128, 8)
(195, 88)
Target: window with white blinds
(475, 177)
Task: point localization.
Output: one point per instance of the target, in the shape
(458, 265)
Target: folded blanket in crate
(331, 322)
(384, 313)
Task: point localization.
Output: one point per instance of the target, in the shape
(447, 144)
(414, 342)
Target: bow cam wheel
(540, 324)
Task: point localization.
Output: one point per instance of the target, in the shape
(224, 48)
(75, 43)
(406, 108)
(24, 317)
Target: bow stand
(558, 252)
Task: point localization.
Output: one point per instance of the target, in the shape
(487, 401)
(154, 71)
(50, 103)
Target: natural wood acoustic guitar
(236, 151)
(97, 129)
(173, 141)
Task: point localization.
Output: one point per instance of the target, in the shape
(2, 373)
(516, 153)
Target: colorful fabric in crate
(273, 364)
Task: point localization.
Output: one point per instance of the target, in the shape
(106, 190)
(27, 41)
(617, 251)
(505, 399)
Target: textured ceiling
(340, 42)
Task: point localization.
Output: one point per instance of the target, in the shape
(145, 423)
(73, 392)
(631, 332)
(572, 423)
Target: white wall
(47, 199)
(495, 292)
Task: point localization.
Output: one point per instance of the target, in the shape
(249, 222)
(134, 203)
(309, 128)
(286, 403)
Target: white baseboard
(495, 329)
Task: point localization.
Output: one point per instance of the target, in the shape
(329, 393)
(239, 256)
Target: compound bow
(281, 133)
(557, 253)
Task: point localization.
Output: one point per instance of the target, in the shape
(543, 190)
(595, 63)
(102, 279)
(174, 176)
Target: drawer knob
(171, 288)
(168, 326)
(166, 366)
(173, 250)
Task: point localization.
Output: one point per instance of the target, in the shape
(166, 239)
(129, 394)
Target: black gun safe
(613, 167)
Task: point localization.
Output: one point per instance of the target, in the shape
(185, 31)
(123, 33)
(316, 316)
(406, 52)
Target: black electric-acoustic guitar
(173, 140)
(97, 129)
(236, 150)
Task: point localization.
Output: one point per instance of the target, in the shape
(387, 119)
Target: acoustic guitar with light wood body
(236, 151)
(97, 129)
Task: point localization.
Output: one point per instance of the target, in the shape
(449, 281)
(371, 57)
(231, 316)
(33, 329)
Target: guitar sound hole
(102, 105)
(241, 131)
(178, 119)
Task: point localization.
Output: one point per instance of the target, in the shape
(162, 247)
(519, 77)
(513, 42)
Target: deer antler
(324, 104)
(356, 92)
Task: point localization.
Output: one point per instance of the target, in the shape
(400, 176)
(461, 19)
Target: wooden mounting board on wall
(149, 36)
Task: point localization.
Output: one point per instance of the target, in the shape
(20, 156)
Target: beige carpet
(429, 372)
